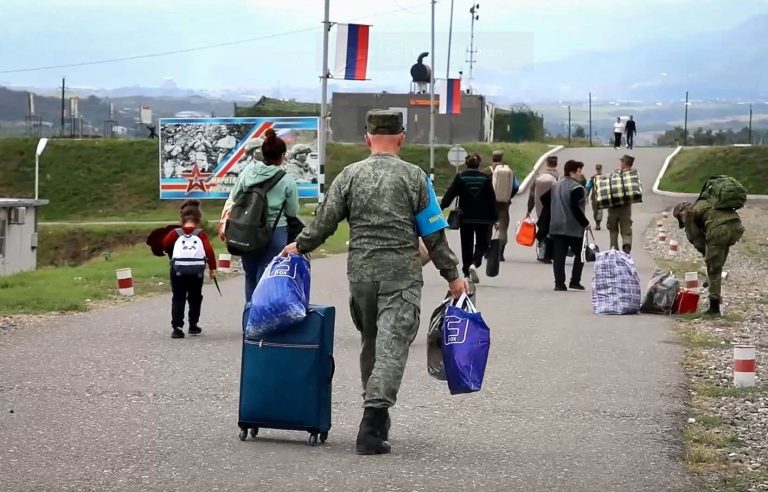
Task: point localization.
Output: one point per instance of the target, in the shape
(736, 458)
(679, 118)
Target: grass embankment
(691, 168)
(118, 180)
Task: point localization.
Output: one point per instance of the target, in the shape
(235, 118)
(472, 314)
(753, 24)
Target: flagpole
(321, 141)
(432, 102)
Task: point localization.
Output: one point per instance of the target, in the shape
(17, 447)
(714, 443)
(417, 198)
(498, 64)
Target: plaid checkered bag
(615, 284)
(618, 189)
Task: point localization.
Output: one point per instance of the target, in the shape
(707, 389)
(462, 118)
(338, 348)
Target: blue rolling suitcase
(285, 378)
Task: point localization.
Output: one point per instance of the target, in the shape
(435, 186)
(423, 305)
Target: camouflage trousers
(715, 257)
(597, 213)
(387, 316)
(620, 222)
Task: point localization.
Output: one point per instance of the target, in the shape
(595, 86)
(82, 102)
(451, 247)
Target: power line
(191, 50)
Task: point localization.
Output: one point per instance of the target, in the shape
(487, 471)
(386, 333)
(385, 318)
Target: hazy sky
(36, 33)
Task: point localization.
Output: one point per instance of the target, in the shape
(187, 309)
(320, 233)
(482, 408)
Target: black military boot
(502, 253)
(714, 307)
(371, 438)
(627, 249)
(387, 425)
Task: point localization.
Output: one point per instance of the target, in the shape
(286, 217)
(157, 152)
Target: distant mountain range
(724, 69)
(726, 65)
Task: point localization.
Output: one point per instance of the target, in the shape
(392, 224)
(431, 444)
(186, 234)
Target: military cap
(552, 160)
(384, 122)
(628, 159)
(677, 212)
(598, 166)
(497, 153)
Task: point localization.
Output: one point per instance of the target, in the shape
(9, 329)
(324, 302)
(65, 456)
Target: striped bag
(618, 189)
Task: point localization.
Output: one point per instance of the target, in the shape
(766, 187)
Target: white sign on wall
(145, 115)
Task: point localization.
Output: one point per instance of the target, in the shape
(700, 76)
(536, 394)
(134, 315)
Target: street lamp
(40, 148)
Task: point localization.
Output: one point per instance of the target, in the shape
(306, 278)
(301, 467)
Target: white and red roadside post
(691, 281)
(672, 248)
(225, 262)
(124, 281)
(744, 365)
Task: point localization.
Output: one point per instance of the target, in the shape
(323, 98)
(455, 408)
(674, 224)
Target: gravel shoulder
(727, 431)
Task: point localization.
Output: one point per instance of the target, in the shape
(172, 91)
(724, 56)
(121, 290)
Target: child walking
(190, 251)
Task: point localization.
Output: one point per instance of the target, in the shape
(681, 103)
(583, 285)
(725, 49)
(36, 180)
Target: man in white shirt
(618, 130)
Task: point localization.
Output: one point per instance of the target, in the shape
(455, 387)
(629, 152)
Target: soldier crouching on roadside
(382, 197)
(712, 232)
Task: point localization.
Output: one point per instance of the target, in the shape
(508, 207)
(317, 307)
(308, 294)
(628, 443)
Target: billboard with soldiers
(203, 157)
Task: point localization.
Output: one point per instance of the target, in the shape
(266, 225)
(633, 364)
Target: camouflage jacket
(706, 225)
(379, 197)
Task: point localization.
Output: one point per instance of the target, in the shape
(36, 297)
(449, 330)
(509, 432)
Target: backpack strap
(271, 182)
(196, 232)
(179, 231)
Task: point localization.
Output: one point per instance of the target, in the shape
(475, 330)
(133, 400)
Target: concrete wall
(349, 109)
(19, 255)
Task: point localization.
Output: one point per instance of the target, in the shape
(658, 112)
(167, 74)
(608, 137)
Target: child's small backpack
(188, 258)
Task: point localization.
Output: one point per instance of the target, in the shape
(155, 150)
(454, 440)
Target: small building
(18, 234)
(474, 124)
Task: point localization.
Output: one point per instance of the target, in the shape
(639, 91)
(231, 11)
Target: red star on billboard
(196, 179)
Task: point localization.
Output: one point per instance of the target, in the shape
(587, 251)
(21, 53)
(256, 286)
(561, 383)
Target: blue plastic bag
(466, 344)
(281, 297)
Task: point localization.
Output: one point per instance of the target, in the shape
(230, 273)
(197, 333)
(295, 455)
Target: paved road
(107, 401)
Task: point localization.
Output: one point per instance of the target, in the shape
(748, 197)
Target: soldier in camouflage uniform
(712, 232)
(297, 166)
(379, 197)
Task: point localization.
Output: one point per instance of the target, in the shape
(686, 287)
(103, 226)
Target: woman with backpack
(477, 202)
(254, 222)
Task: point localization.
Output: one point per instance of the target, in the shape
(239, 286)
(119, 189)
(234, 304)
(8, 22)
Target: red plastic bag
(526, 232)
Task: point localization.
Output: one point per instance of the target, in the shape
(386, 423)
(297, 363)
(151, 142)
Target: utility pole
(750, 124)
(63, 84)
(569, 124)
(450, 36)
(321, 140)
(475, 16)
(448, 73)
(590, 119)
(432, 101)
(685, 127)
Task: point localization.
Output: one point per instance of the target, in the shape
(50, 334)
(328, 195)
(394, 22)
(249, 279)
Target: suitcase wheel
(312, 440)
(323, 437)
(244, 433)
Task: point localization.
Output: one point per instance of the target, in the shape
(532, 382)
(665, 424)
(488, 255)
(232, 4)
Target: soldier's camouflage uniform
(712, 232)
(379, 197)
(298, 169)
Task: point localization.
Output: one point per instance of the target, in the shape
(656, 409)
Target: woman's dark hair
(572, 166)
(273, 147)
(190, 211)
(473, 160)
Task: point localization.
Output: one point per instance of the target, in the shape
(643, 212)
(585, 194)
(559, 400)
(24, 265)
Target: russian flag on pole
(450, 96)
(351, 51)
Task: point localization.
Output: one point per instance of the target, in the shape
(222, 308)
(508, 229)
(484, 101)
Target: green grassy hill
(118, 179)
(691, 167)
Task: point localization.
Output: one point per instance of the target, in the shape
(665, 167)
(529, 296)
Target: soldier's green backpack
(724, 192)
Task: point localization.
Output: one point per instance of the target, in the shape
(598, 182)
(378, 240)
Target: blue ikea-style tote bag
(466, 344)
